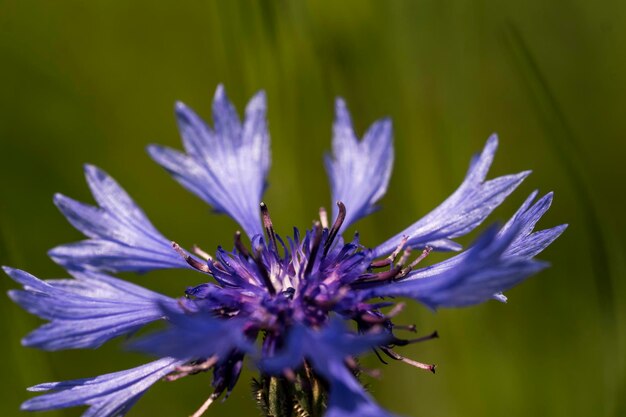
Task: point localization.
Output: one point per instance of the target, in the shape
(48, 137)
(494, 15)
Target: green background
(96, 81)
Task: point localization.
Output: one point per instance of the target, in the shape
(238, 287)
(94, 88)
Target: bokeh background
(96, 81)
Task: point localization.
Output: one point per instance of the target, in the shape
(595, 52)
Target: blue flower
(294, 293)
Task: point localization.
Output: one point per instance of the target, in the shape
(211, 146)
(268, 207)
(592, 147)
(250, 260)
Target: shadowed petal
(359, 170)
(485, 270)
(327, 350)
(121, 238)
(498, 261)
(110, 395)
(464, 210)
(198, 335)
(227, 166)
(84, 312)
(525, 243)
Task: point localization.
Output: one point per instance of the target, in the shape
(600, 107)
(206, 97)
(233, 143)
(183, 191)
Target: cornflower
(282, 301)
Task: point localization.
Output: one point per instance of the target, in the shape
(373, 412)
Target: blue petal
(483, 271)
(327, 350)
(84, 312)
(109, 395)
(498, 261)
(359, 171)
(527, 243)
(347, 398)
(121, 236)
(227, 166)
(198, 335)
(464, 210)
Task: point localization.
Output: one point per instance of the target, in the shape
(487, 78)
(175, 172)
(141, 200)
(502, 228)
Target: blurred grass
(95, 82)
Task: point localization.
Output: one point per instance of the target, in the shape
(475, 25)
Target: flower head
(293, 293)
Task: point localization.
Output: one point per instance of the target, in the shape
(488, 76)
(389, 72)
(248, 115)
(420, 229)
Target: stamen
(324, 217)
(240, 246)
(388, 260)
(264, 274)
(204, 255)
(186, 370)
(420, 365)
(403, 342)
(380, 358)
(407, 327)
(413, 264)
(317, 238)
(205, 406)
(191, 261)
(405, 256)
(372, 319)
(397, 309)
(380, 276)
(340, 294)
(355, 366)
(341, 216)
(269, 228)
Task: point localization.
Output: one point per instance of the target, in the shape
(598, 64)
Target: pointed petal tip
(220, 93)
(184, 114)
(493, 140)
(152, 148)
(95, 176)
(560, 229)
(546, 200)
(25, 406)
(258, 102)
(92, 170)
(57, 198)
(340, 103)
(385, 124)
(8, 270)
(260, 95)
(13, 295)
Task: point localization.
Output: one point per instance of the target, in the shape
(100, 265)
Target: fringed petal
(110, 395)
(463, 211)
(121, 238)
(359, 170)
(226, 167)
(84, 312)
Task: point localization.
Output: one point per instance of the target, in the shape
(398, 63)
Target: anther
(269, 228)
(332, 234)
(324, 217)
(241, 248)
(191, 261)
(388, 260)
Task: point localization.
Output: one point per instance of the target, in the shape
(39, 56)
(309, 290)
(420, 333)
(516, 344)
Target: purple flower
(293, 293)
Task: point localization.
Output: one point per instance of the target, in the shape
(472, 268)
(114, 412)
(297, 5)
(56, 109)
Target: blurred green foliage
(96, 81)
